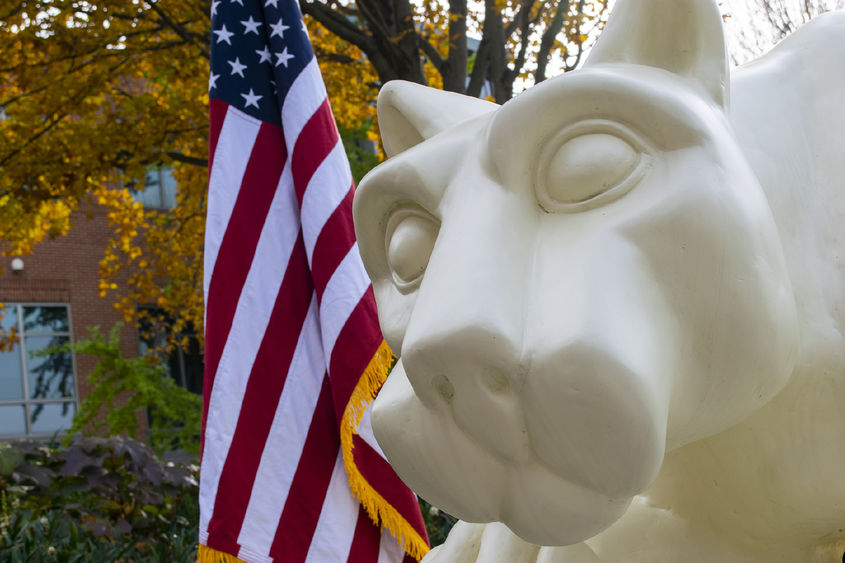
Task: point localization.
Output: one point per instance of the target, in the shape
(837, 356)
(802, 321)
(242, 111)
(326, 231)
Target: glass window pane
(12, 420)
(168, 188)
(45, 319)
(151, 179)
(47, 418)
(150, 198)
(194, 367)
(150, 194)
(50, 376)
(10, 318)
(11, 374)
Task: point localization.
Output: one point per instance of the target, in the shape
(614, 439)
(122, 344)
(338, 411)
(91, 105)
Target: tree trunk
(455, 68)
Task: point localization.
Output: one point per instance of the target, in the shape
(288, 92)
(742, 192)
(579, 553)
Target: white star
(283, 58)
(241, 2)
(272, 83)
(251, 26)
(251, 99)
(223, 34)
(214, 7)
(304, 29)
(279, 28)
(237, 67)
(273, 2)
(212, 81)
(264, 54)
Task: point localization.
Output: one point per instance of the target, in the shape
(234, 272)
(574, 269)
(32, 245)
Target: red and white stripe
(290, 326)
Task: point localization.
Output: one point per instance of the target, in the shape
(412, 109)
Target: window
(159, 191)
(183, 363)
(37, 390)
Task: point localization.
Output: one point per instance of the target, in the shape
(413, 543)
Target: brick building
(52, 296)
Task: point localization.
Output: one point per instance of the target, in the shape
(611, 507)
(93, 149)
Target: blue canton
(258, 48)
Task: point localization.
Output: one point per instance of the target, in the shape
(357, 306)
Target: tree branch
(567, 66)
(13, 99)
(199, 41)
(337, 24)
(525, 31)
(12, 12)
(186, 159)
(375, 21)
(479, 69)
(324, 55)
(455, 70)
(71, 103)
(497, 55)
(53, 122)
(548, 40)
(432, 55)
(524, 12)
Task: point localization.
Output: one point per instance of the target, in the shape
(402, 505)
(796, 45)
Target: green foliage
(122, 386)
(438, 524)
(9, 459)
(98, 500)
(359, 149)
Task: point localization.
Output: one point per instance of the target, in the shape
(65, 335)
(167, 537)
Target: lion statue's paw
(495, 543)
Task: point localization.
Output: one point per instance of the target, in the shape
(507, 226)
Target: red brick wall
(66, 270)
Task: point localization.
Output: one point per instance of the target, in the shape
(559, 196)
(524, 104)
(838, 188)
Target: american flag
(294, 354)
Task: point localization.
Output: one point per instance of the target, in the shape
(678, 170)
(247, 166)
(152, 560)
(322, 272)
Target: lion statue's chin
(452, 458)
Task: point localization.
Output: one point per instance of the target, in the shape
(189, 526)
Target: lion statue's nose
(475, 374)
(596, 418)
(570, 409)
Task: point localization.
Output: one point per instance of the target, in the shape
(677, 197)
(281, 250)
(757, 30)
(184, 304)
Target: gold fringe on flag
(378, 509)
(208, 555)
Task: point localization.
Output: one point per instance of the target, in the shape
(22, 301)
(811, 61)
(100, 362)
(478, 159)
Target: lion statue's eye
(410, 239)
(582, 171)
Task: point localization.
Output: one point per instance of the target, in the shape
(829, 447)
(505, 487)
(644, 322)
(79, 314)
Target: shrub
(97, 499)
(438, 524)
(122, 386)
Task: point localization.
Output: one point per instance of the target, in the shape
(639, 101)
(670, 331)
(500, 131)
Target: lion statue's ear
(682, 36)
(409, 113)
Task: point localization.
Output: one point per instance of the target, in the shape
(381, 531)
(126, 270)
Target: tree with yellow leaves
(516, 39)
(94, 93)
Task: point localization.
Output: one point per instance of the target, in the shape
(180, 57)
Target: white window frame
(26, 402)
(159, 170)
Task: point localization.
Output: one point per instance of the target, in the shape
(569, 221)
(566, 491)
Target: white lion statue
(619, 300)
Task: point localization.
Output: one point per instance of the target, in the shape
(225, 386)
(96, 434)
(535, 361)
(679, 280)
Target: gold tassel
(208, 555)
(378, 509)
